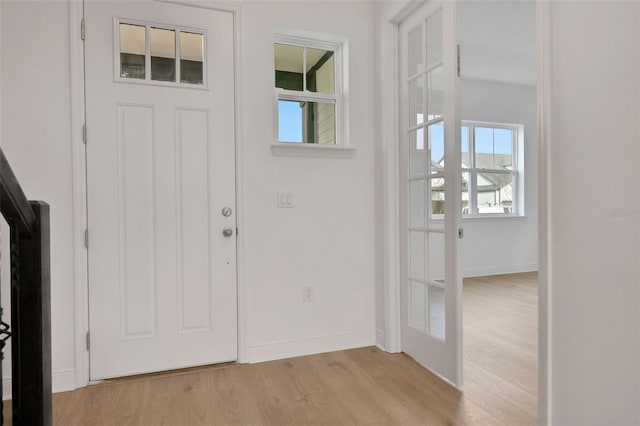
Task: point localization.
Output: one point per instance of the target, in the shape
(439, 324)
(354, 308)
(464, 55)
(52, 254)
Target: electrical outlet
(307, 294)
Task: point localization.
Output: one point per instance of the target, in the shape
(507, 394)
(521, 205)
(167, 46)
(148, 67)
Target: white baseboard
(61, 381)
(498, 270)
(301, 347)
(380, 339)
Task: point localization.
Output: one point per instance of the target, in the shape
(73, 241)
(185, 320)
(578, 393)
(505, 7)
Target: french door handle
(227, 232)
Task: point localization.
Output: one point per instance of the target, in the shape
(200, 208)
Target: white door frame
(79, 184)
(389, 144)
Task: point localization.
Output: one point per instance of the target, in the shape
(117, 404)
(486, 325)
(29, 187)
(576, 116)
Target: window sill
(312, 150)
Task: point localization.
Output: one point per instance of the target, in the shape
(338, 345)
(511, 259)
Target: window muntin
(160, 54)
(307, 91)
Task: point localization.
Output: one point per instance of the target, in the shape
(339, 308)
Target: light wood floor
(354, 387)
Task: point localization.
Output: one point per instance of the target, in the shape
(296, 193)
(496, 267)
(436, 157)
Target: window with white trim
(490, 168)
(309, 89)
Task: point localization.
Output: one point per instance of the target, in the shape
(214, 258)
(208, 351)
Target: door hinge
(83, 29)
(88, 340)
(458, 58)
(461, 233)
(86, 238)
(84, 133)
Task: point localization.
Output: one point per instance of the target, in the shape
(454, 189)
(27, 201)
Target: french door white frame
(80, 272)
(389, 134)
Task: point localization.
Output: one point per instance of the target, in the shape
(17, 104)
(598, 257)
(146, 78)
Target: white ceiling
(498, 40)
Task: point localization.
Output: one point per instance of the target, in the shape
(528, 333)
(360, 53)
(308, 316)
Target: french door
(430, 190)
(161, 186)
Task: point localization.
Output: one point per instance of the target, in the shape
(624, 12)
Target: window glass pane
(435, 93)
(191, 58)
(437, 196)
(416, 152)
(416, 203)
(415, 42)
(495, 192)
(436, 312)
(289, 66)
(132, 51)
(307, 122)
(417, 255)
(434, 39)
(163, 54)
(436, 147)
(289, 121)
(416, 107)
(418, 308)
(464, 147)
(483, 147)
(503, 149)
(320, 71)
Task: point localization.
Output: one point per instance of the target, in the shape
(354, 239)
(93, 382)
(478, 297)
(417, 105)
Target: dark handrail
(30, 328)
(13, 202)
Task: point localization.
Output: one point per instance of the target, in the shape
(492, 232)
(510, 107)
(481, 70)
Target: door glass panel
(418, 308)
(416, 203)
(289, 67)
(434, 39)
(464, 147)
(416, 152)
(415, 43)
(416, 107)
(436, 312)
(436, 147)
(437, 196)
(416, 248)
(163, 54)
(191, 58)
(435, 93)
(133, 45)
(320, 71)
(435, 272)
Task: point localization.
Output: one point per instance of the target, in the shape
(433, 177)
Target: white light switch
(285, 199)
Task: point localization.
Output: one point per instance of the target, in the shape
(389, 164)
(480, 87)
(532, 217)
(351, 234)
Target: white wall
(327, 240)
(36, 140)
(594, 276)
(503, 245)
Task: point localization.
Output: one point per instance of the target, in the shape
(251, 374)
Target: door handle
(227, 232)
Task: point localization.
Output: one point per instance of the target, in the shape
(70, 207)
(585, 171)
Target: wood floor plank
(364, 386)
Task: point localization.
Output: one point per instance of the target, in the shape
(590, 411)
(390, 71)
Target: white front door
(431, 285)
(160, 173)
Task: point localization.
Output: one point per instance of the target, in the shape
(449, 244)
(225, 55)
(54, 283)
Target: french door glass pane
(417, 251)
(436, 312)
(465, 193)
(418, 305)
(435, 273)
(416, 203)
(437, 196)
(436, 147)
(415, 44)
(416, 107)
(416, 153)
(435, 92)
(434, 39)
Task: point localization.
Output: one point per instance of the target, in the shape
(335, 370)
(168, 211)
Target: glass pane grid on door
(425, 181)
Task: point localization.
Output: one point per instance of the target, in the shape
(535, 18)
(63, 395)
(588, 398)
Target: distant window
(489, 168)
(168, 55)
(308, 84)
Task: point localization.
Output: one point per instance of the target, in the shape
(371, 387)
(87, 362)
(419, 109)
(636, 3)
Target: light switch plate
(285, 200)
